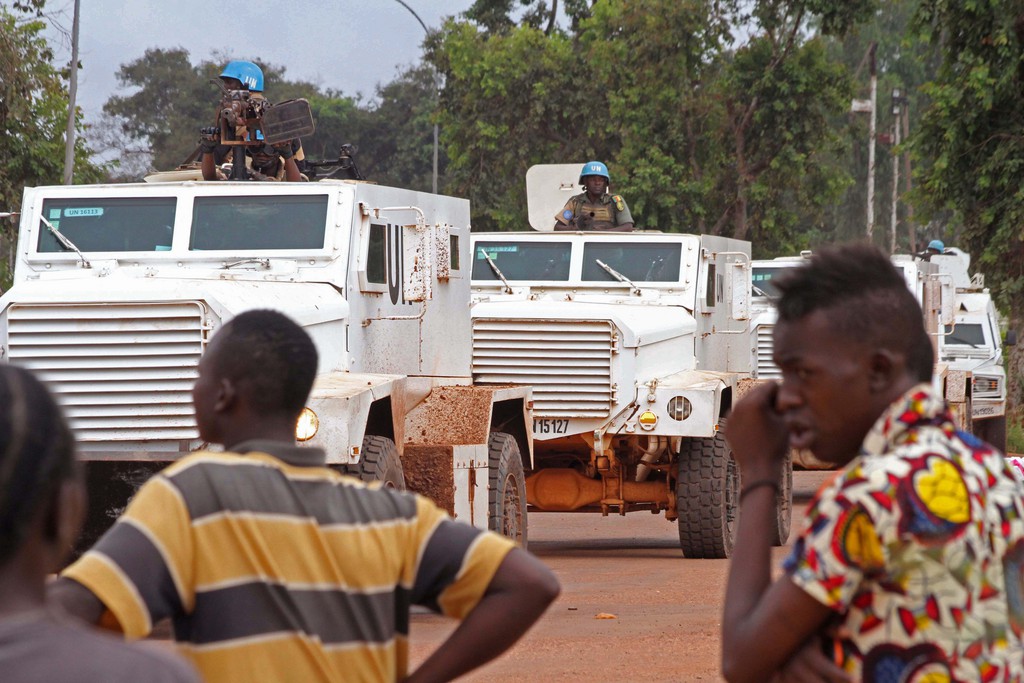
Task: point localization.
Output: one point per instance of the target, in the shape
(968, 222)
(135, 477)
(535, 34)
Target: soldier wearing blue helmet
(241, 75)
(595, 208)
(934, 248)
(264, 162)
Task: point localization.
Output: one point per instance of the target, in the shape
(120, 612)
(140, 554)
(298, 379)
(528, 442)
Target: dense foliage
(33, 118)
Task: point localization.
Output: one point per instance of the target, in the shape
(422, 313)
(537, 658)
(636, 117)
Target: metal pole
(69, 135)
(895, 183)
(437, 89)
(905, 118)
(871, 144)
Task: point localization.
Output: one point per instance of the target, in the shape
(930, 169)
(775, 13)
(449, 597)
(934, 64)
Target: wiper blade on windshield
(496, 269)
(65, 242)
(618, 276)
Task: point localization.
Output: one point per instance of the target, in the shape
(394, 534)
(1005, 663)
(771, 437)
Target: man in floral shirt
(911, 566)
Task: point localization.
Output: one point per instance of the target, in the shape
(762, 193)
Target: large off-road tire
(707, 497)
(784, 504)
(992, 431)
(506, 494)
(379, 461)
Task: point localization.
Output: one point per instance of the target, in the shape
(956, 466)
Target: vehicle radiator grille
(122, 372)
(568, 363)
(986, 387)
(766, 369)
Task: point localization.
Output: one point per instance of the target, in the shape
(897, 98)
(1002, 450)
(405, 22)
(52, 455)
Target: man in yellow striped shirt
(274, 567)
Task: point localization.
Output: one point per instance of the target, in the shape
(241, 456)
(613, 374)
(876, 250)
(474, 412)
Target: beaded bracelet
(760, 483)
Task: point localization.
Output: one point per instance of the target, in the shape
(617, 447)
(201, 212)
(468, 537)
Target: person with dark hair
(911, 565)
(42, 503)
(274, 567)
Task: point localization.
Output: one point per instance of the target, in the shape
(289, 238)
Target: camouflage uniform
(607, 213)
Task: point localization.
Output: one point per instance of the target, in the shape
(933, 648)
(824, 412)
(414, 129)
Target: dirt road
(666, 609)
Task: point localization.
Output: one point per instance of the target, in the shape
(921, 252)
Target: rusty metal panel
(457, 415)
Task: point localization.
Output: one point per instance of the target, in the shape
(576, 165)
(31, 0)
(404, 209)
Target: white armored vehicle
(958, 313)
(118, 288)
(973, 344)
(635, 345)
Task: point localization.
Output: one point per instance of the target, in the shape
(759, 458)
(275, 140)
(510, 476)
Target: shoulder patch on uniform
(619, 204)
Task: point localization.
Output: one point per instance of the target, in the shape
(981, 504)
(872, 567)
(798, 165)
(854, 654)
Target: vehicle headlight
(307, 425)
(679, 408)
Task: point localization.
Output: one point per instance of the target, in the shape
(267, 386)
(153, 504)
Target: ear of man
(227, 395)
(888, 377)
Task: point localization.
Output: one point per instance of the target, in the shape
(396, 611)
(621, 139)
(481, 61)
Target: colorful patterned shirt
(918, 545)
(276, 568)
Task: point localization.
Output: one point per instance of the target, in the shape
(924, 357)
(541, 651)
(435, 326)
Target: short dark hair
(866, 297)
(271, 358)
(37, 452)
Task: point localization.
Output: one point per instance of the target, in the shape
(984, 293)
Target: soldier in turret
(277, 162)
(595, 209)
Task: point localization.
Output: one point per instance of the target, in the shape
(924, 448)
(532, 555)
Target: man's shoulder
(54, 650)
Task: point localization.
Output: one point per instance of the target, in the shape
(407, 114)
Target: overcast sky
(346, 45)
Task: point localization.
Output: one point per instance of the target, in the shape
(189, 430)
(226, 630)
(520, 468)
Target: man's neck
(22, 584)
(594, 197)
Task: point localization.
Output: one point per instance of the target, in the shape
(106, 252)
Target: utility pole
(869, 106)
(437, 86)
(872, 141)
(69, 135)
(897, 110)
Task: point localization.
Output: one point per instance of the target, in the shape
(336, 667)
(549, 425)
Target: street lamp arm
(413, 12)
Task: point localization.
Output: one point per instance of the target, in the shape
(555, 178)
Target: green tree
(33, 115)
(708, 132)
(511, 100)
(973, 132)
(170, 99)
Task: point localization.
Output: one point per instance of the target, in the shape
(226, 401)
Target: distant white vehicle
(959, 314)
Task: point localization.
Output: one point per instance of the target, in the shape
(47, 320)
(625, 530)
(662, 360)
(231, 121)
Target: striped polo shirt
(274, 567)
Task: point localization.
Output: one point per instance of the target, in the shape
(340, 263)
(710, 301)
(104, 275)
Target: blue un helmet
(248, 73)
(594, 168)
(937, 245)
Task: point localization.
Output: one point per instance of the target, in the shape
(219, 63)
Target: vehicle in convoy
(635, 345)
(118, 288)
(973, 344)
(960, 316)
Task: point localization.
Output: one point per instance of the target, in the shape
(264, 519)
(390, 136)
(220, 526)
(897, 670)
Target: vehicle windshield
(534, 261)
(114, 225)
(259, 223)
(965, 334)
(638, 261)
(761, 279)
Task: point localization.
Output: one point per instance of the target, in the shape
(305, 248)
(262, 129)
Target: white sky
(346, 45)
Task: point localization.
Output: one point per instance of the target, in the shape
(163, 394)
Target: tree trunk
(1014, 359)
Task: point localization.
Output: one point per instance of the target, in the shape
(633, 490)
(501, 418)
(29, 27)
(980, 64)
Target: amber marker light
(647, 420)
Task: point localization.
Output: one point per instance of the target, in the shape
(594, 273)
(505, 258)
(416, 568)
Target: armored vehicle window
(761, 279)
(967, 334)
(536, 261)
(376, 255)
(137, 224)
(253, 223)
(638, 261)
